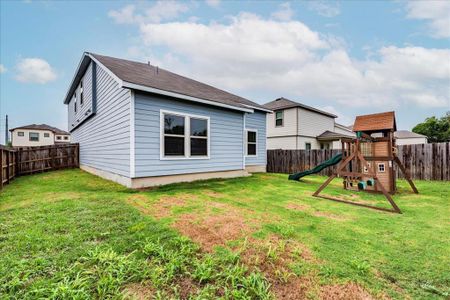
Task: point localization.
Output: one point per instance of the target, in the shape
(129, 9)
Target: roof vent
(157, 69)
(148, 63)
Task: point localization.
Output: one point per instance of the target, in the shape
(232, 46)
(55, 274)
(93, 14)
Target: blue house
(140, 125)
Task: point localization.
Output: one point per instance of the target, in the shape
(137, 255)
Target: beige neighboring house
(406, 137)
(296, 126)
(38, 135)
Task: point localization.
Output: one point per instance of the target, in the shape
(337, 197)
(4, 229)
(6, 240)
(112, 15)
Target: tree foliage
(436, 129)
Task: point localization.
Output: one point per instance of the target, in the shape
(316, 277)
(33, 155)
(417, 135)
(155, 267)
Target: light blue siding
(257, 121)
(105, 137)
(83, 110)
(226, 138)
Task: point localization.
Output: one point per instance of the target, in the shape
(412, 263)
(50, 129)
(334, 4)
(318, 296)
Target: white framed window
(33, 136)
(46, 134)
(66, 138)
(184, 136)
(252, 142)
(20, 133)
(58, 137)
(381, 167)
(81, 92)
(307, 146)
(278, 118)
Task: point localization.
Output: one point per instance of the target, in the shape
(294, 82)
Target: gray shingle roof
(151, 76)
(42, 127)
(283, 103)
(405, 134)
(329, 136)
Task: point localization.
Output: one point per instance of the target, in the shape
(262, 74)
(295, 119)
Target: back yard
(68, 234)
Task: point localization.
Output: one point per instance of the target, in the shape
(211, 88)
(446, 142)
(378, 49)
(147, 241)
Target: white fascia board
(134, 86)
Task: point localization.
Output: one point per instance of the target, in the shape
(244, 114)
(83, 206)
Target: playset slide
(328, 163)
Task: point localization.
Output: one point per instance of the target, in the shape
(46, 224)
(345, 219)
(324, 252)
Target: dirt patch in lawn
(213, 230)
(139, 291)
(348, 291)
(187, 287)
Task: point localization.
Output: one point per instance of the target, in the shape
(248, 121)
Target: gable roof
(406, 134)
(332, 136)
(146, 77)
(42, 127)
(375, 122)
(283, 103)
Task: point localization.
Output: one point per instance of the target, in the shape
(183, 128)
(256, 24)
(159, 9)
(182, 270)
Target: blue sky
(347, 57)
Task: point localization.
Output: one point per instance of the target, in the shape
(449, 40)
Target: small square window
(308, 146)
(20, 133)
(66, 138)
(381, 167)
(46, 134)
(58, 137)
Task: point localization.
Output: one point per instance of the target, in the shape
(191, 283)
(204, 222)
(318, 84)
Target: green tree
(436, 129)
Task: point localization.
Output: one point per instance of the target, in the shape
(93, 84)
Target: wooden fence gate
(424, 161)
(27, 160)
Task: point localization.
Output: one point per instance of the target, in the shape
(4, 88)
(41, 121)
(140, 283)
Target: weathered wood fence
(21, 161)
(424, 161)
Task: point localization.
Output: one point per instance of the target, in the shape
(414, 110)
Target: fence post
(7, 166)
(1, 167)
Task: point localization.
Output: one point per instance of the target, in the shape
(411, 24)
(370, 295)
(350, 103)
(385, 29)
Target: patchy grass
(69, 234)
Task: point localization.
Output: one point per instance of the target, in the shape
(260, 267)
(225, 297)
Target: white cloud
(325, 8)
(250, 54)
(158, 12)
(34, 70)
(437, 13)
(213, 3)
(3, 69)
(284, 13)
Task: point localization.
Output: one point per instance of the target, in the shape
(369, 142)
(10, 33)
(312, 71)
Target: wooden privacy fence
(424, 161)
(27, 160)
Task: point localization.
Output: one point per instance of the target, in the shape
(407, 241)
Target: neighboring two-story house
(141, 125)
(38, 135)
(293, 125)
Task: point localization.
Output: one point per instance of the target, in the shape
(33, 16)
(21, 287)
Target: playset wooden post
(368, 161)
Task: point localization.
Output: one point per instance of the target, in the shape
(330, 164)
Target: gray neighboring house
(406, 137)
(296, 126)
(140, 125)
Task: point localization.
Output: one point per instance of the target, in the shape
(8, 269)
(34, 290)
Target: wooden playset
(367, 162)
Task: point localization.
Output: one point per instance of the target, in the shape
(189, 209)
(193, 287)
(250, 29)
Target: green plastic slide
(328, 163)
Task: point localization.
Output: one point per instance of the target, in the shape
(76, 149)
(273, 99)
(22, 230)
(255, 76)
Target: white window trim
(187, 136)
(384, 167)
(246, 142)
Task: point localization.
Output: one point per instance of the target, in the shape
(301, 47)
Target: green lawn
(71, 235)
